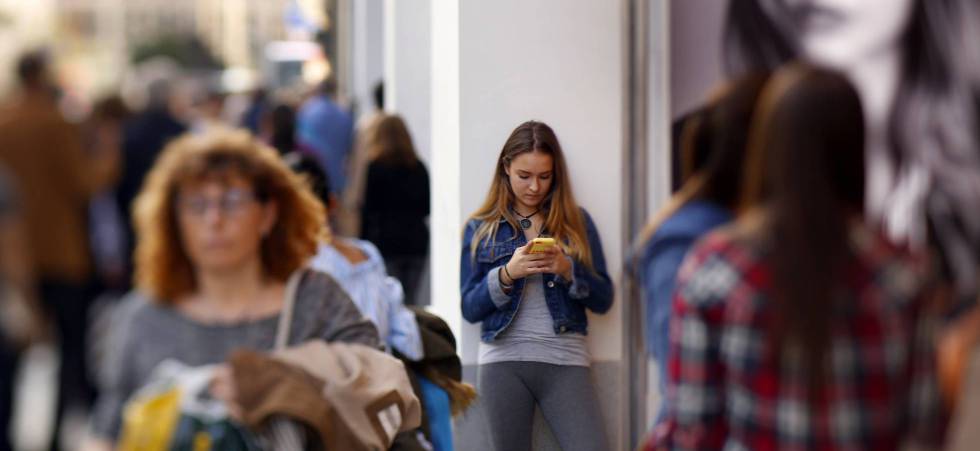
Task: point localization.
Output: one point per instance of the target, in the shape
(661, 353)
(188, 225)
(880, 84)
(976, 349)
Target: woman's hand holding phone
(549, 260)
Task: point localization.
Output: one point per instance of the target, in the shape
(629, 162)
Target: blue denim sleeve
(592, 287)
(480, 286)
(404, 334)
(659, 281)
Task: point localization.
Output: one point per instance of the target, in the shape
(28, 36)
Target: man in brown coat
(56, 175)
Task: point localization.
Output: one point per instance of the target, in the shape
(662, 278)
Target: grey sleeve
(341, 320)
(497, 294)
(116, 378)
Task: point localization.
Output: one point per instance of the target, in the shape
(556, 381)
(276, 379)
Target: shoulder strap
(286, 315)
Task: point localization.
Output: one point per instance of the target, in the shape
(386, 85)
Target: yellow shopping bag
(149, 421)
(174, 413)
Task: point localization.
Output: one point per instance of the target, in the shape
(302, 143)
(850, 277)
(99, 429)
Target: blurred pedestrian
(359, 268)
(279, 128)
(326, 130)
(396, 204)
(353, 198)
(107, 226)
(799, 326)
(57, 175)
(223, 223)
(715, 154)
(144, 136)
(20, 316)
(258, 107)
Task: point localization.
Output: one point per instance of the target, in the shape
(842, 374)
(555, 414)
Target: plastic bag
(174, 412)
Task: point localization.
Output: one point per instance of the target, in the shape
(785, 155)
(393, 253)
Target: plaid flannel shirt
(730, 393)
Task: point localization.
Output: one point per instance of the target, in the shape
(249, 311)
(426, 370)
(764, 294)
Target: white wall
(367, 51)
(408, 68)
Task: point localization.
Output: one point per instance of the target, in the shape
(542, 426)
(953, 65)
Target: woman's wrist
(505, 286)
(505, 275)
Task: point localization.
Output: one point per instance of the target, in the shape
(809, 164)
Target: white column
(408, 68)
(445, 167)
(658, 148)
(367, 52)
(497, 64)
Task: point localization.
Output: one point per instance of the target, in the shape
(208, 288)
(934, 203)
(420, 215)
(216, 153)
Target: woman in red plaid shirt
(798, 328)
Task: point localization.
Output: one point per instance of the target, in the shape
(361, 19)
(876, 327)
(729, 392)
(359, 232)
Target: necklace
(526, 220)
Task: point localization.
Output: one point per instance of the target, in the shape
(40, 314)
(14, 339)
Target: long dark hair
(728, 125)
(714, 149)
(805, 172)
(934, 122)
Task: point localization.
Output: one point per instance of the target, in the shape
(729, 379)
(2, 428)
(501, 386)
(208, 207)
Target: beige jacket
(365, 396)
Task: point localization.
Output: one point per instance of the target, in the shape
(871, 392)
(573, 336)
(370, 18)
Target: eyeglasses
(230, 203)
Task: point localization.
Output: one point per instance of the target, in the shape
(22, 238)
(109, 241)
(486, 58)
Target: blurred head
(805, 175)
(211, 105)
(33, 70)
(329, 86)
(160, 92)
(724, 134)
(391, 142)
(713, 150)
(379, 96)
(316, 178)
(216, 202)
(283, 119)
(531, 174)
(807, 144)
(111, 109)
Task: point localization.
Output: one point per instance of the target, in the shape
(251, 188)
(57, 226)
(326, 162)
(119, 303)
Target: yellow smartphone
(541, 244)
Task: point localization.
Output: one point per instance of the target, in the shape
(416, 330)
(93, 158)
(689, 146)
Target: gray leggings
(510, 390)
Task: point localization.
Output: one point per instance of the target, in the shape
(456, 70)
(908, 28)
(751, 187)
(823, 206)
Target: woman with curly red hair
(222, 224)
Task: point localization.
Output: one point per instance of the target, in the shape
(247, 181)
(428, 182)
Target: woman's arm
(592, 287)
(116, 378)
(482, 291)
(659, 277)
(341, 319)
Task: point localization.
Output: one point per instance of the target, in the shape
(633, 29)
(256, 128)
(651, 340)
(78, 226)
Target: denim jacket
(484, 299)
(661, 259)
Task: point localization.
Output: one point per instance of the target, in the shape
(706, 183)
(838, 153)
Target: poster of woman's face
(841, 33)
(916, 66)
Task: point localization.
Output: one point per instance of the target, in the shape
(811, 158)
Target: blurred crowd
(72, 238)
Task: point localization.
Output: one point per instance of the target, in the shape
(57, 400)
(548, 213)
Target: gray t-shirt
(531, 335)
(148, 333)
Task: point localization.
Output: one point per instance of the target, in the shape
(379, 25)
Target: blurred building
(95, 40)
(233, 30)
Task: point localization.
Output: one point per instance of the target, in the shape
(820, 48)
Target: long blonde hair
(391, 142)
(564, 221)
